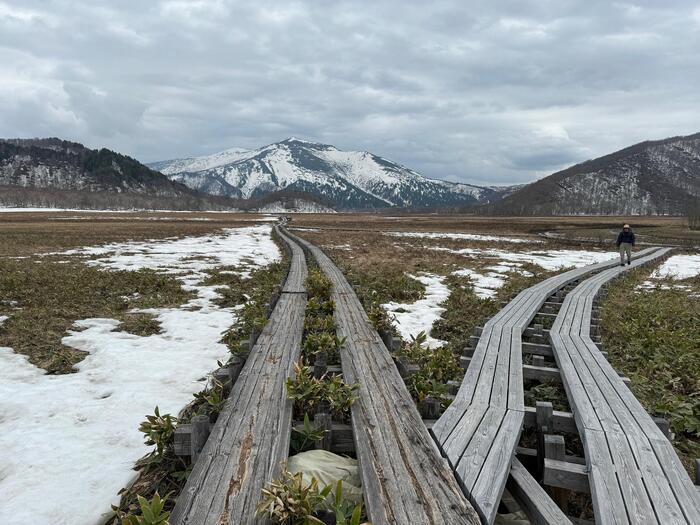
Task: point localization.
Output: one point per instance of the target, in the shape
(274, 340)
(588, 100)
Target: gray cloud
(486, 92)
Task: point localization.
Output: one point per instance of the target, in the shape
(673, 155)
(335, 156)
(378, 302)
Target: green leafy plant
(308, 391)
(305, 436)
(317, 284)
(339, 395)
(290, 501)
(152, 512)
(159, 431)
(304, 389)
(437, 366)
(346, 513)
(213, 397)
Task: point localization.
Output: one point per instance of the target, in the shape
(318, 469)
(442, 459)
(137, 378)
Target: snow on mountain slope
(659, 177)
(347, 179)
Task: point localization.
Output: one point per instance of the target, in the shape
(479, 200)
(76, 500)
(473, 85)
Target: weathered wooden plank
(251, 436)
(623, 445)
(404, 478)
(532, 498)
(493, 379)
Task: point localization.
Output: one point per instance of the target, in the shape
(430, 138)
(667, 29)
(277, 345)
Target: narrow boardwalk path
(480, 430)
(635, 475)
(404, 478)
(250, 439)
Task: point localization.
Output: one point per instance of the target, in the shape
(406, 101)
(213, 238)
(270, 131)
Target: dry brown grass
(23, 234)
(44, 295)
(673, 230)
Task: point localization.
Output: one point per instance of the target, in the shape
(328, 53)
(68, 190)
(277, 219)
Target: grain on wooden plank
(404, 478)
(535, 502)
(251, 436)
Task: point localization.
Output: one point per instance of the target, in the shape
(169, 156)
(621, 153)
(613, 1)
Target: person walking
(625, 242)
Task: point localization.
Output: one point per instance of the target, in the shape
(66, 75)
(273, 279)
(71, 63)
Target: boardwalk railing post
(545, 417)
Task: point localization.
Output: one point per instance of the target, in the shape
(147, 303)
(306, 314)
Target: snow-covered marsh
(678, 267)
(412, 318)
(461, 236)
(548, 259)
(69, 442)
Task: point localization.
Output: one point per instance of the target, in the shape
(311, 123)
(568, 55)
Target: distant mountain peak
(659, 177)
(346, 179)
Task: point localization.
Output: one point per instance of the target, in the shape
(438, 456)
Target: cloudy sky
(484, 91)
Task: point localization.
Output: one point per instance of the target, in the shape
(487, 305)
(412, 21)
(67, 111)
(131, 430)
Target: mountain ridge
(653, 177)
(349, 179)
(57, 172)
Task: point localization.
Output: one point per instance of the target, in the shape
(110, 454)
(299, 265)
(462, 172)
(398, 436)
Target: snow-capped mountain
(347, 179)
(660, 177)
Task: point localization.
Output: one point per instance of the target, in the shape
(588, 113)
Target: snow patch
(461, 236)
(678, 267)
(412, 318)
(485, 285)
(548, 259)
(93, 415)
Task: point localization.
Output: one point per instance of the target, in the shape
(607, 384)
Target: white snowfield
(68, 443)
(678, 267)
(462, 236)
(547, 259)
(410, 319)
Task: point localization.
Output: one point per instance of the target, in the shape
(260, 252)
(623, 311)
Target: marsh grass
(48, 297)
(653, 337)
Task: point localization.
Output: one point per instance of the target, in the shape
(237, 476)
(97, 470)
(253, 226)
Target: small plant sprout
(290, 501)
(159, 431)
(152, 512)
(304, 436)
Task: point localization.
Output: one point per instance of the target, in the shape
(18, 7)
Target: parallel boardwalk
(405, 479)
(251, 437)
(479, 432)
(635, 476)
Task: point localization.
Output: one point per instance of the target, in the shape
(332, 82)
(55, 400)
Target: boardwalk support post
(323, 420)
(430, 407)
(554, 448)
(545, 416)
(320, 364)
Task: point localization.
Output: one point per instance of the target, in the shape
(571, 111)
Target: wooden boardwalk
(404, 478)
(634, 474)
(479, 432)
(250, 439)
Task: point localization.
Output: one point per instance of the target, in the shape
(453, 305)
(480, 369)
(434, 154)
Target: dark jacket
(625, 236)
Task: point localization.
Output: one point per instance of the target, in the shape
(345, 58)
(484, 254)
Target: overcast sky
(488, 92)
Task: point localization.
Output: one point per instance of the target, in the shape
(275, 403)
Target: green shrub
(159, 431)
(290, 501)
(308, 392)
(152, 512)
(305, 436)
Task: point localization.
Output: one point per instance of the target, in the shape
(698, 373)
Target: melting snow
(412, 318)
(679, 267)
(485, 286)
(547, 259)
(460, 236)
(68, 442)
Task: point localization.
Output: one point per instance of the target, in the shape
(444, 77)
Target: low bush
(652, 336)
(290, 501)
